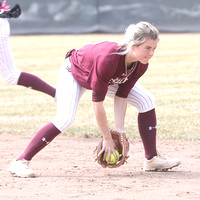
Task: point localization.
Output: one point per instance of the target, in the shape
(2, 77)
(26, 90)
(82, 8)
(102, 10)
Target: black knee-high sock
(44, 136)
(147, 129)
(35, 83)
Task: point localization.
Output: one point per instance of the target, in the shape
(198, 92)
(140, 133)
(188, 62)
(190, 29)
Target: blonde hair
(136, 34)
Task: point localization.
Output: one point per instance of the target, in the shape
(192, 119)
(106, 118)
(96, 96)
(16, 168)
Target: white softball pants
(69, 92)
(8, 69)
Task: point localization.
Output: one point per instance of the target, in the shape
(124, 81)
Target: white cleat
(20, 168)
(160, 163)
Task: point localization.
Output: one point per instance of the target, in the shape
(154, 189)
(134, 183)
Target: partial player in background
(8, 69)
(112, 69)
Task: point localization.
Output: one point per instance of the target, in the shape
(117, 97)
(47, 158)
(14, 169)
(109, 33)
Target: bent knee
(144, 102)
(62, 123)
(147, 103)
(12, 78)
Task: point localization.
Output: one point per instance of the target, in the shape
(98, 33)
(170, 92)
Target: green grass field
(173, 77)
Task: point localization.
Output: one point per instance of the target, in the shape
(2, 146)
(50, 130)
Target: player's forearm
(120, 105)
(101, 119)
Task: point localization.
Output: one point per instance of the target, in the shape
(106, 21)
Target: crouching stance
(112, 69)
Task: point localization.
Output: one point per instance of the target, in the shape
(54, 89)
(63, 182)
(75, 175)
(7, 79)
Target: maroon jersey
(96, 66)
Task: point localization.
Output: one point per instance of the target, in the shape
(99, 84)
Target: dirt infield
(66, 170)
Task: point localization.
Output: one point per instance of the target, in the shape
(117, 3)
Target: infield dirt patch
(66, 170)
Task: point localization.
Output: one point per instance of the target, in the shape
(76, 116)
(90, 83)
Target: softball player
(106, 68)
(8, 69)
